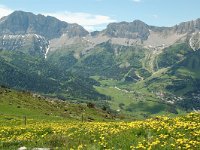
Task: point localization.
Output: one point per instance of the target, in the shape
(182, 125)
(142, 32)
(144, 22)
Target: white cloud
(90, 22)
(137, 1)
(4, 11)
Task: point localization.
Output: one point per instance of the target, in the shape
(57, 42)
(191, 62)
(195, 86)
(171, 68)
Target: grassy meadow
(34, 121)
(157, 133)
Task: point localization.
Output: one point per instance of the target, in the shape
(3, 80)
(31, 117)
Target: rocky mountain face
(23, 30)
(188, 27)
(137, 32)
(25, 27)
(30, 43)
(195, 41)
(20, 22)
(132, 30)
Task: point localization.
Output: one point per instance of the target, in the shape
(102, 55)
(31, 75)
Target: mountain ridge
(60, 34)
(195, 23)
(27, 22)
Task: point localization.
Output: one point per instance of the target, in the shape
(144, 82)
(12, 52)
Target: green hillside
(16, 104)
(106, 60)
(178, 77)
(22, 71)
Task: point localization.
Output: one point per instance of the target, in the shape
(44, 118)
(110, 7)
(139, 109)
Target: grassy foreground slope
(16, 104)
(57, 125)
(154, 134)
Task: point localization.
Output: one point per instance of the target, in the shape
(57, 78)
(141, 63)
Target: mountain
(20, 22)
(137, 68)
(188, 27)
(32, 44)
(133, 30)
(24, 43)
(141, 58)
(25, 31)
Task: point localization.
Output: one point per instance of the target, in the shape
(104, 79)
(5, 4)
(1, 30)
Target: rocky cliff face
(19, 29)
(188, 27)
(30, 43)
(132, 30)
(21, 22)
(139, 33)
(195, 41)
(31, 33)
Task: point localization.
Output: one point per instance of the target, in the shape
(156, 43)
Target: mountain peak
(20, 12)
(20, 22)
(139, 22)
(132, 30)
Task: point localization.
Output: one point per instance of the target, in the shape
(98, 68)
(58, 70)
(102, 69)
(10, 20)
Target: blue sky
(96, 14)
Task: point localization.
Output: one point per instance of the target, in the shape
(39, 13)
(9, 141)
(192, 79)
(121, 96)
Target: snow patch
(191, 44)
(47, 50)
(36, 35)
